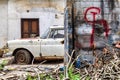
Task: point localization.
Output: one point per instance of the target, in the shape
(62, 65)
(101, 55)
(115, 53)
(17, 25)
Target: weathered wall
(11, 12)
(85, 20)
(45, 10)
(3, 22)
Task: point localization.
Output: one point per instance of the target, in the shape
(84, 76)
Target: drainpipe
(102, 8)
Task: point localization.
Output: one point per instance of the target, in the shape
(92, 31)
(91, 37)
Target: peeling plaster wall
(42, 9)
(81, 14)
(57, 4)
(3, 22)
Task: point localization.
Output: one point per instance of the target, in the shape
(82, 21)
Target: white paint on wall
(12, 11)
(18, 10)
(3, 22)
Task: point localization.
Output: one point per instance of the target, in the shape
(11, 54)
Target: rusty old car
(49, 46)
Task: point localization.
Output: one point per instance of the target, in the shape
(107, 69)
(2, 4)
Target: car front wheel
(22, 57)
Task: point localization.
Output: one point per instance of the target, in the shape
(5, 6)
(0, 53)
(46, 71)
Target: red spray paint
(93, 22)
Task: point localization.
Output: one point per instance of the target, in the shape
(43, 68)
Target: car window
(57, 33)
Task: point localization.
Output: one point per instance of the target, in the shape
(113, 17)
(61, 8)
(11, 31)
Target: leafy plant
(61, 76)
(72, 75)
(87, 78)
(3, 64)
(42, 76)
(49, 77)
(29, 77)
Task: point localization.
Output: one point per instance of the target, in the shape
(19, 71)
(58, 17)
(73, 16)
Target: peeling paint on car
(50, 46)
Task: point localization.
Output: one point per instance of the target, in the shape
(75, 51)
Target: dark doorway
(29, 28)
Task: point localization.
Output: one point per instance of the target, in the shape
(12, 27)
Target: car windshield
(56, 33)
(45, 34)
(53, 33)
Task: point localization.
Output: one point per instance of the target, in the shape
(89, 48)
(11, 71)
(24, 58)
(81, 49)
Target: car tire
(22, 57)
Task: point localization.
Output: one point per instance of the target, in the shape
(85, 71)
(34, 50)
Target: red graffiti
(94, 13)
(94, 21)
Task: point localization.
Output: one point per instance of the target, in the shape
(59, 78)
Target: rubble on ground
(106, 67)
(20, 72)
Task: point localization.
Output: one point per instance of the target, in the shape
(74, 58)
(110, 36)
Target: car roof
(57, 27)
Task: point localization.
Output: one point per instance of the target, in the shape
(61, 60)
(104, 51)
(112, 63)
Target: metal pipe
(102, 9)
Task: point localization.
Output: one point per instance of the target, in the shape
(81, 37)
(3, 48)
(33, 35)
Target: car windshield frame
(45, 34)
(49, 32)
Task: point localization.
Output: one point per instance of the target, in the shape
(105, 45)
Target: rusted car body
(49, 46)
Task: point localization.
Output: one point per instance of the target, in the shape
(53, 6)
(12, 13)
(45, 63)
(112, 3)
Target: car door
(54, 44)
